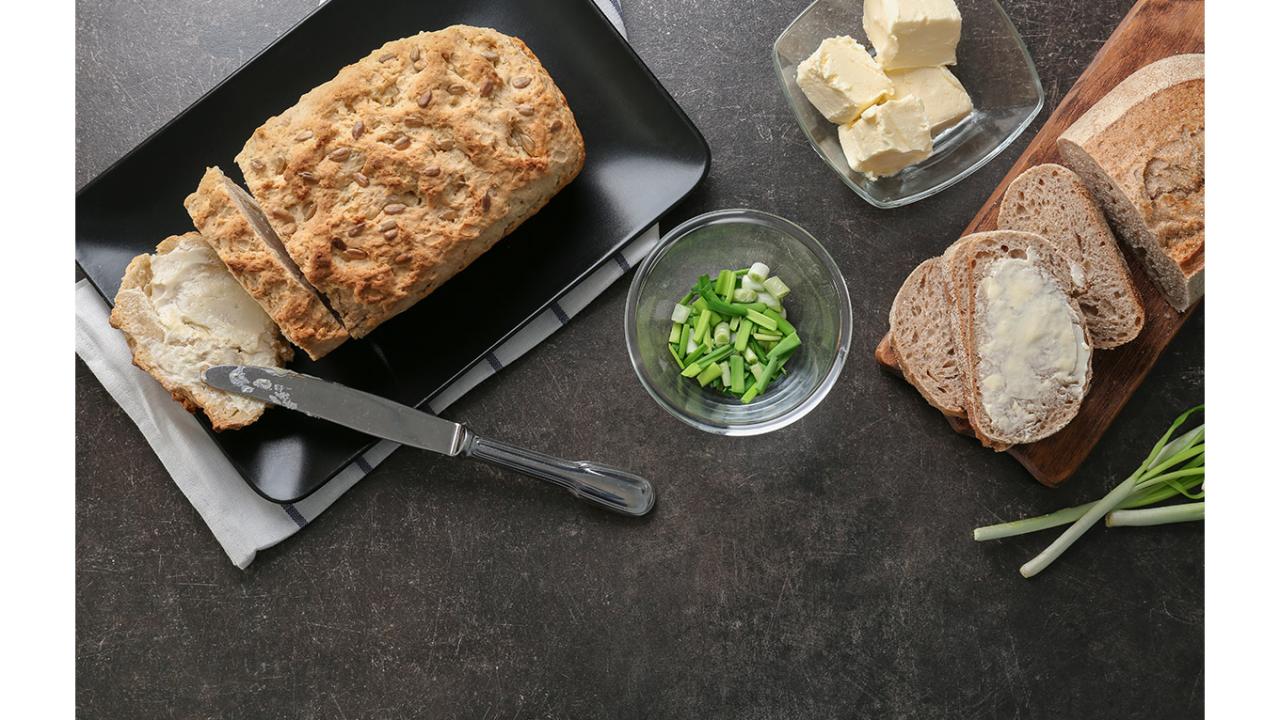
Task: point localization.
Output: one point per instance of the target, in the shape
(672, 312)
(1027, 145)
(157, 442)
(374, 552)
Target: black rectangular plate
(643, 157)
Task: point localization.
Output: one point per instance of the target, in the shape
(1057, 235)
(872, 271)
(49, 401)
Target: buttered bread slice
(182, 312)
(1022, 335)
(233, 224)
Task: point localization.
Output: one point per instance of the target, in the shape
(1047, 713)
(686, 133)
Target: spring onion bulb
(758, 272)
(680, 313)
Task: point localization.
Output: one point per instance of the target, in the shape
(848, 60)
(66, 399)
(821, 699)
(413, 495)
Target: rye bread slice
(920, 325)
(966, 264)
(1053, 202)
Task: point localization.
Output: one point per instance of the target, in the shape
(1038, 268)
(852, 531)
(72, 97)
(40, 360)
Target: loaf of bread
(233, 224)
(181, 312)
(920, 325)
(1051, 201)
(392, 177)
(1024, 344)
(1140, 150)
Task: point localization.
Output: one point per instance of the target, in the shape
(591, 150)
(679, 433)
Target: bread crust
(266, 273)
(395, 175)
(1140, 149)
(134, 316)
(1052, 201)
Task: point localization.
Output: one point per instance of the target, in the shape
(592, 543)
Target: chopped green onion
(700, 331)
(730, 326)
(744, 334)
(711, 372)
(776, 287)
(785, 345)
(725, 283)
(784, 327)
(721, 335)
(762, 320)
(736, 381)
(676, 355)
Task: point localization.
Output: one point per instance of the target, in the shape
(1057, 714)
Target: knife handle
(608, 487)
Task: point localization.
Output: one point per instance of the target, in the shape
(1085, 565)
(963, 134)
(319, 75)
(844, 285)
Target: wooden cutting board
(1152, 30)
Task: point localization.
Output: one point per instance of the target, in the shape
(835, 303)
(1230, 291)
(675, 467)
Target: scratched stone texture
(822, 571)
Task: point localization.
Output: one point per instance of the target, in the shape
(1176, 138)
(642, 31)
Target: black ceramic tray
(643, 157)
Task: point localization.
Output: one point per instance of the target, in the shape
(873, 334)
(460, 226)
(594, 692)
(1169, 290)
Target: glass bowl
(818, 306)
(992, 64)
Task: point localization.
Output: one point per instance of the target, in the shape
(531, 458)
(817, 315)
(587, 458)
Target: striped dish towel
(243, 522)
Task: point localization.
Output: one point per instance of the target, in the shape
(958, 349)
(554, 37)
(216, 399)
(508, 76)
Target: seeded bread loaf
(395, 175)
(233, 224)
(1024, 344)
(182, 312)
(1140, 150)
(920, 326)
(1053, 202)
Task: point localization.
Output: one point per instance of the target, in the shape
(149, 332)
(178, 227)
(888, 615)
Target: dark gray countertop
(825, 570)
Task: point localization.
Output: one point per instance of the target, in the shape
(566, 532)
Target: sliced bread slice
(1022, 336)
(182, 312)
(920, 325)
(1053, 202)
(233, 224)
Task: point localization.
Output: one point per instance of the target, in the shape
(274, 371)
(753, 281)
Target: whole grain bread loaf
(233, 224)
(1053, 202)
(1140, 149)
(392, 177)
(182, 312)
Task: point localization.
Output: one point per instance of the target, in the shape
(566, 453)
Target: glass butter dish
(992, 64)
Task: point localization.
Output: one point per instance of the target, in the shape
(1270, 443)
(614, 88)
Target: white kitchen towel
(241, 520)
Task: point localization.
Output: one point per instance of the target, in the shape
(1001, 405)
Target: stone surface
(825, 570)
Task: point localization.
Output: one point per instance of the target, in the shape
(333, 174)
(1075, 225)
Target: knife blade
(356, 409)
(607, 487)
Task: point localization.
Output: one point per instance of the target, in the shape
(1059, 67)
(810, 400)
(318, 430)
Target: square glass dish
(992, 64)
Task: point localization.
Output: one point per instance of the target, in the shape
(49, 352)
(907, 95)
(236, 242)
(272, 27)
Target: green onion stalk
(1171, 468)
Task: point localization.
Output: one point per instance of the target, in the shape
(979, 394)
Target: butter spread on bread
(392, 177)
(181, 312)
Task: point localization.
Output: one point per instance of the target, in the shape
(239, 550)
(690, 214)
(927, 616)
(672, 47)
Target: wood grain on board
(1152, 30)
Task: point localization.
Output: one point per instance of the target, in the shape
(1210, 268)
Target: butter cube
(841, 79)
(912, 33)
(945, 100)
(887, 138)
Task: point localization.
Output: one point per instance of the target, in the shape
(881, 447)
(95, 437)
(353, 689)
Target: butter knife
(607, 487)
